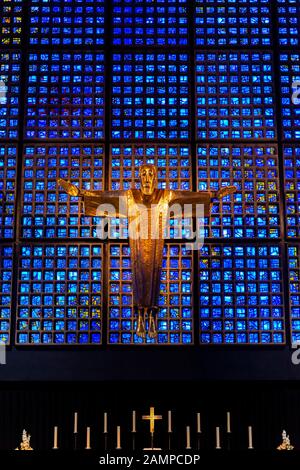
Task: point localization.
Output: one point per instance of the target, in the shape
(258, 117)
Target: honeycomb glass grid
(288, 22)
(293, 252)
(66, 22)
(291, 156)
(233, 23)
(234, 95)
(150, 95)
(175, 317)
(8, 174)
(65, 95)
(241, 294)
(10, 69)
(47, 211)
(11, 19)
(289, 86)
(149, 23)
(6, 275)
(59, 294)
(253, 211)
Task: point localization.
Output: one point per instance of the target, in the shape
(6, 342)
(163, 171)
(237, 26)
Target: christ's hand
(70, 188)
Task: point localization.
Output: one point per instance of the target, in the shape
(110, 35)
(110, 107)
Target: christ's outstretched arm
(93, 199)
(201, 197)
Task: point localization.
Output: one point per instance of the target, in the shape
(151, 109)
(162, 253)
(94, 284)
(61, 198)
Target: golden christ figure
(147, 210)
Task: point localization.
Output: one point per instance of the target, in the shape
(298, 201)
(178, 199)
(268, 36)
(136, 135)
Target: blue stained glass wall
(67, 22)
(11, 19)
(150, 95)
(59, 294)
(173, 163)
(6, 277)
(290, 108)
(65, 95)
(289, 22)
(8, 182)
(47, 211)
(241, 294)
(235, 23)
(293, 252)
(10, 68)
(148, 23)
(175, 317)
(254, 210)
(291, 155)
(235, 95)
(208, 91)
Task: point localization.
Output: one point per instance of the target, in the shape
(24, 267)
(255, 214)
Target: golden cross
(152, 417)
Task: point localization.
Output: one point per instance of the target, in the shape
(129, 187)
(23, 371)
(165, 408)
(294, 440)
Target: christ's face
(148, 180)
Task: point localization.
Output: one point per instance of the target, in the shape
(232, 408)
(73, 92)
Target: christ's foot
(140, 331)
(152, 327)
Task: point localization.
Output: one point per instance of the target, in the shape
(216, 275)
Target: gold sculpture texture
(147, 209)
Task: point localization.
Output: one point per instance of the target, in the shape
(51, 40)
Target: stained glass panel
(47, 211)
(175, 322)
(241, 294)
(150, 96)
(6, 274)
(8, 173)
(234, 95)
(65, 95)
(294, 290)
(149, 23)
(67, 22)
(10, 67)
(292, 189)
(290, 83)
(11, 12)
(253, 211)
(59, 294)
(235, 23)
(289, 22)
(173, 162)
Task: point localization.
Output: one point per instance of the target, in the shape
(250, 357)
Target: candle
(75, 423)
(228, 422)
(169, 421)
(218, 438)
(133, 421)
(250, 441)
(118, 437)
(88, 438)
(198, 423)
(55, 437)
(188, 438)
(105, 423)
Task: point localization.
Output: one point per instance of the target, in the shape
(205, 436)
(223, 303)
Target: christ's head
(148, 178)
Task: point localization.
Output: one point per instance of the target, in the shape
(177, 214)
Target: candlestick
(118, 437)
(105, 423)
(55, 438)
(169, 421)
(133, 421)
(250, 440)
(228, 422)
(218, 438)
(198, 423)
(188, 437)
(75, 422)
(88, 438)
